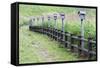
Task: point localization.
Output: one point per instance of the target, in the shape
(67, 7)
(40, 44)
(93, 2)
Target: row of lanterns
(62, 15)
(81, 14)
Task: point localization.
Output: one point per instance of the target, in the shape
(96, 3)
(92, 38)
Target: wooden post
(58, 36)
(48, 31)
(63, 31)
(79, 46)
(48, 21)
(43, 30)
(71, 41)
(52, 33)
(66, 39)
(55, 34)
(82, 17)
(61, 38)
(89, 48)
(82, 33)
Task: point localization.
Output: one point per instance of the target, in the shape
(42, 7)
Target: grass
(37, 48)
(42, 10)
(72, 23)
(74, 28)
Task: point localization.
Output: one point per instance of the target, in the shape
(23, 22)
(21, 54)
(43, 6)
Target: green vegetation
(72, 22)
(37, 10)
(35, 47)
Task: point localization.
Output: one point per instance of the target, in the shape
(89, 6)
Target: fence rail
(69, 40)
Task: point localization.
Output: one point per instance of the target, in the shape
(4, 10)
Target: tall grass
(71, 25)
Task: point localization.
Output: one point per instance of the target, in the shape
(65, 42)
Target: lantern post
(55, 26)
(55, 18)
(82, 17)
(48, 21)
(63, 31)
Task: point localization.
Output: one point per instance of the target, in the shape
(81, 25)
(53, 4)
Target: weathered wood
(89, 48)
(71, 41)
(68, 41)
(79, 47)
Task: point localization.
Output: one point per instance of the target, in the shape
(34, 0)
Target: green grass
(72, 23)
(34, 47)
(30, 10)
(27, 39)
(74, 28)
(41, 10)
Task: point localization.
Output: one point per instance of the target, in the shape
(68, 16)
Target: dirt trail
(43, 52)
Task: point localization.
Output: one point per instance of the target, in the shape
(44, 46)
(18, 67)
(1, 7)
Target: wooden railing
(70, 41)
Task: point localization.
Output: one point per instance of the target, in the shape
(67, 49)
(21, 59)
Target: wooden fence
(70, 41)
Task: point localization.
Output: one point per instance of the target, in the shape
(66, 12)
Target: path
(36, 48)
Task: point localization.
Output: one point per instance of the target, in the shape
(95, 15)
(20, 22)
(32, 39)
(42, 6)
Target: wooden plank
(59, 32)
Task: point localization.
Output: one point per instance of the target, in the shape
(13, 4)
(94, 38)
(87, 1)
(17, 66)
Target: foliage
(71, 25)
(34, 47)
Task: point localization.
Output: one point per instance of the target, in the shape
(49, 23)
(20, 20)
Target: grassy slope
(35, 48)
